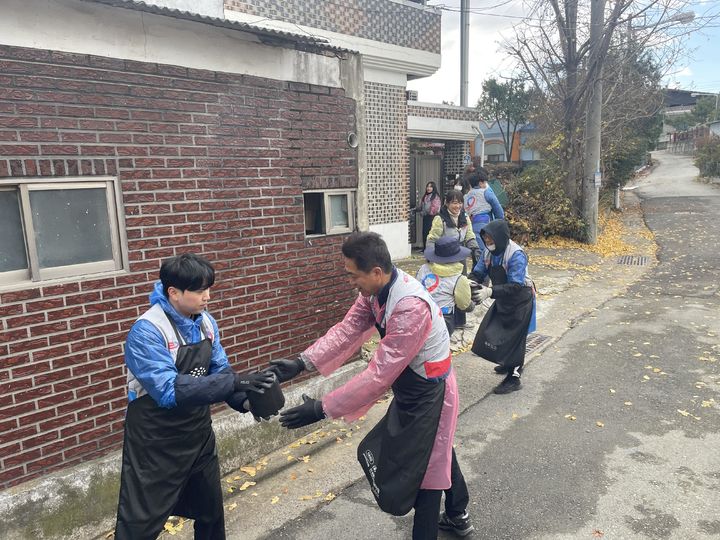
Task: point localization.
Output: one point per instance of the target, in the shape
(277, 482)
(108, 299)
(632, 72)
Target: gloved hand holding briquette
(481, 294)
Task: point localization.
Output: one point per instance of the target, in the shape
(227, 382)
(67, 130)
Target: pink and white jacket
(408, 330)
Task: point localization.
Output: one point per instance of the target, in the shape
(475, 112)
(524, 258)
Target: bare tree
(553, 49)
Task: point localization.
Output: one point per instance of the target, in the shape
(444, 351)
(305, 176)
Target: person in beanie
(502, 335)
(177, 368)
(442, 277)
(408, 456)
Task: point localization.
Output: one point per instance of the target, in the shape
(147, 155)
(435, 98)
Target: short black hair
(368, 250)
(478, 175)
(187, 272)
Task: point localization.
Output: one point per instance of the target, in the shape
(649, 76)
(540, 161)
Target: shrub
(538, 206)
(707, 156)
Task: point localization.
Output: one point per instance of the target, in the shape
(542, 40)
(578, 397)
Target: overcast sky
(699, 72)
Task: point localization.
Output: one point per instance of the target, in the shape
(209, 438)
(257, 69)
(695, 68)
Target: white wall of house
(84, 27)
(420, 127)
(396, 238)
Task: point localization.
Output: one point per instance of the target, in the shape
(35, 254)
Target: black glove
(474, 278)
(239, 402)
(308, 413)
(253, 382)
(286, 369)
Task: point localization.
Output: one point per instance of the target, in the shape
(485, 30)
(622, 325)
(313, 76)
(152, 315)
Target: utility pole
(464, 50)
(592, 175)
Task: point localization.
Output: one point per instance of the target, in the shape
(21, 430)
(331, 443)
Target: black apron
(169, 463)
(502, 335)
(396, 452)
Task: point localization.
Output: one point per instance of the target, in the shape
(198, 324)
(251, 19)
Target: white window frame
(350, 194)
(113, 197)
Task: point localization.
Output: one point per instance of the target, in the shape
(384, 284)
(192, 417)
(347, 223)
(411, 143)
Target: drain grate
(535, 341)
(633, 260)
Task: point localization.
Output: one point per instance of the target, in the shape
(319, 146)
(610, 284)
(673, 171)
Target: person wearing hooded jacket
(408, 456)
(442, 277)
(502, 335)
(177, 368)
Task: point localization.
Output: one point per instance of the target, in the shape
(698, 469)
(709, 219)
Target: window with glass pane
(53, 228)
(328, 212)
(13, 255)
(339, 211)
(72, 226)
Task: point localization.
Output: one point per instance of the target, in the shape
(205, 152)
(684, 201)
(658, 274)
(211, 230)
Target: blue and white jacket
(150, 362)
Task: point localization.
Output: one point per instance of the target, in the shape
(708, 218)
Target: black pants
(426, 226)
(427, 504)
(460, 318)
(449, 322)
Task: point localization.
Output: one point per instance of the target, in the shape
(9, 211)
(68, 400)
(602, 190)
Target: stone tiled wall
(453, 158)
(387, 153)
(445, 112)
(379, 20)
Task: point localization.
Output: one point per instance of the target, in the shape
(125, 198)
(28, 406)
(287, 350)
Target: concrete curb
(77, 503)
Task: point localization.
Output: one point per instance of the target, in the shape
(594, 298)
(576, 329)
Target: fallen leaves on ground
(609, 244)
(570, 417)
(685, 413)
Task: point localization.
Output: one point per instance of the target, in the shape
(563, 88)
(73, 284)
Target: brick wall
(379, 20)
(388, 171)
(209, 162)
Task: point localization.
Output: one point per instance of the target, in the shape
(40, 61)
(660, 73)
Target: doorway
(423, 169)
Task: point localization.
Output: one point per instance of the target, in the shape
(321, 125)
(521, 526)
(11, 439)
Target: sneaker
(509, 384)
(502, 370)
(460, 525)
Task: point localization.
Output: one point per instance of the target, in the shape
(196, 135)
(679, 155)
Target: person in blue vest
(502, 335)
(177, 368)
(480, 203)
(442, 276)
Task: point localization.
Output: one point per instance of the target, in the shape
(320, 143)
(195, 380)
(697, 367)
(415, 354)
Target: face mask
(491, 247)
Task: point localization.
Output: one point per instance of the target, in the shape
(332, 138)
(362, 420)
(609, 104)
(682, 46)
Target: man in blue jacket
(177, 368)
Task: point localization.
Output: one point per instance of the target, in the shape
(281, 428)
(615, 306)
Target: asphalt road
(616, 432)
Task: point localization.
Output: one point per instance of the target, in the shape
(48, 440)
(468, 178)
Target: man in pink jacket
(408, 456)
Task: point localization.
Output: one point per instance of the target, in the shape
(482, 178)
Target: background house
(520, 152)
